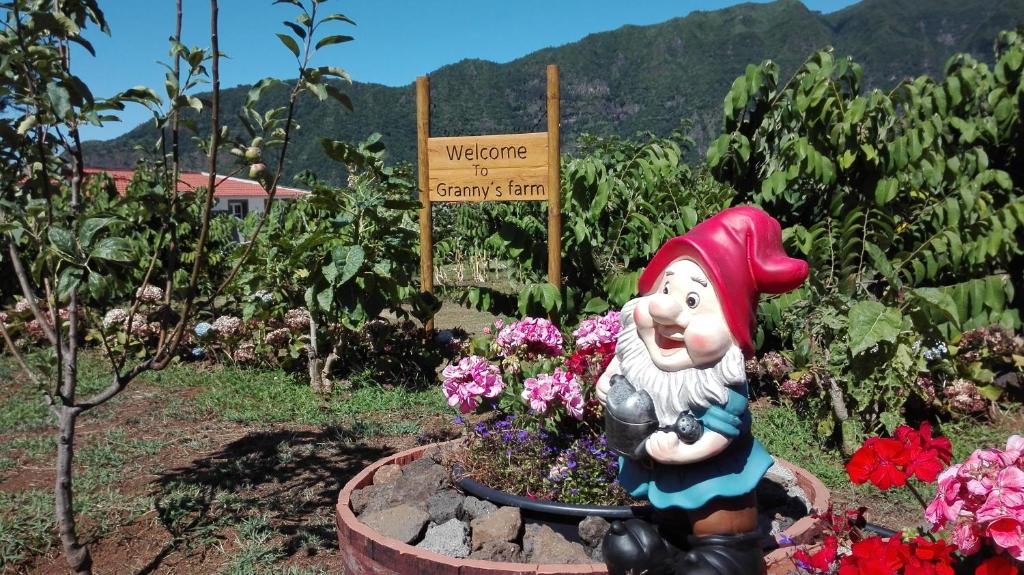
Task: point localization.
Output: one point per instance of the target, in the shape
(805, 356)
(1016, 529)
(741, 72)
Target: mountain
(633, 78)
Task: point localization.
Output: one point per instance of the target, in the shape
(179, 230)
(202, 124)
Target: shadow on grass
(289, 479)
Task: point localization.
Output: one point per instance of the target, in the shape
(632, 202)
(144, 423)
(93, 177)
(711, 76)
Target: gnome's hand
(665, 447)
(604, 383)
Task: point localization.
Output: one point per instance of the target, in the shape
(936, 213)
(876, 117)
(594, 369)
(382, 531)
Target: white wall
(255, 204)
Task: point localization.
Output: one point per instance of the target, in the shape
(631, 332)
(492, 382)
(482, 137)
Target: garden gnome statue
(675, 397)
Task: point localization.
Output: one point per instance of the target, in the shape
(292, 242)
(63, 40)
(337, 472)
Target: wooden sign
(502, 168)
(496, 168)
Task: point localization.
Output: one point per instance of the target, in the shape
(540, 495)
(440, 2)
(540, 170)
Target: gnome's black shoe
(634, 546)
(723, 555)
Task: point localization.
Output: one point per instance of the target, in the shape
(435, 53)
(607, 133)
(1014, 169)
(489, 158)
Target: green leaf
(596, 305)
(940, 301)
(90, 227)
(112, 249)
(257, 91)
(299, 30)
(338, 18)
(289, 43)
(330, 272)
(354, 258)
(991, 392)
(60, 100)
(325, 298)
(62, 240)
(871, 323)
(890, 420)
(329, 40)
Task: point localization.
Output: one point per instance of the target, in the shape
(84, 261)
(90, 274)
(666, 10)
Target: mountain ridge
(630, 79)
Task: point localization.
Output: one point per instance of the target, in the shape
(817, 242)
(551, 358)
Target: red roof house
(237, 196)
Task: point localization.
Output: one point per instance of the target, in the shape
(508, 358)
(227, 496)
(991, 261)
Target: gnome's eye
(692, 300)
(664, 290)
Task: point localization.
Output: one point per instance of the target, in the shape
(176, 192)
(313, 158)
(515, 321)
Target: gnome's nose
(665, 309)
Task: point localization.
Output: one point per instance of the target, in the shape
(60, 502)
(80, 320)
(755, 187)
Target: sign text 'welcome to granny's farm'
(505, 167)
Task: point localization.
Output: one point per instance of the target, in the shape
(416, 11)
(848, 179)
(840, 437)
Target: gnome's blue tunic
(733, 472)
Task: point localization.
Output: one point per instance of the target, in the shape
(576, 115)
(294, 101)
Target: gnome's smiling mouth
(669, 339)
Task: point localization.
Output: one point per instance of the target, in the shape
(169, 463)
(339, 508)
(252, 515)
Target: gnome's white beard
(674, 392)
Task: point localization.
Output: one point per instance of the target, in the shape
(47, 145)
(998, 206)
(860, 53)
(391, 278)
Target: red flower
(925, 557)
(874, 556)
(927, 456)
(821, 560)
(880, 461)
(997, 565)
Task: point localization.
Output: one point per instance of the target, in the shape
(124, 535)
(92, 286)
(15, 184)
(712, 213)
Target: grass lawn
(206, 469)
(200, 469)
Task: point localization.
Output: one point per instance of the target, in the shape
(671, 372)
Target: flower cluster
(889, 462)
(919, 555)
(149, 294)
(297, 319)
(531, 336)
(965, 397)
(263, 296)
(469, 381)
(543, 391)
(202, 329)
(245, 354)
(278, 336)
(984, 497)
(227, 325)
(597, 332)
(118, 318)
(798, 388)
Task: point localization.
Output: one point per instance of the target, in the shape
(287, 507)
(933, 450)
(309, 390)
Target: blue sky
(395, 40)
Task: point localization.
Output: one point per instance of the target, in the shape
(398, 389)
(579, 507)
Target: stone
(502, 525)
(503, 551)
(541, 544)
(420, 479)
(445, 505)
(387, 474)
(373, 498)
(450, 538)
(404, 522)
(593, 529)
(472, 508)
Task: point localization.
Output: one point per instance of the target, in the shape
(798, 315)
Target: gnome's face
(681, 321)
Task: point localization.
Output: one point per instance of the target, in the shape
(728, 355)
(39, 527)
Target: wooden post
(554, 182)
(426, 231)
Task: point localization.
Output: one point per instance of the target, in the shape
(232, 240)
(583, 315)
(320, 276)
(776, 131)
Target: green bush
(905, 205)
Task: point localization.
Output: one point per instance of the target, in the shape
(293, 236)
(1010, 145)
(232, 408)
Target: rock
(404, 522)
(541, 544)
(420, 479)
(597, 555)
(472, 508)
(373, 498)
(499, 551)
(786, 479)
(387, 474)
(445, 505)
(450, 538)
(502, 525)
(592, 530)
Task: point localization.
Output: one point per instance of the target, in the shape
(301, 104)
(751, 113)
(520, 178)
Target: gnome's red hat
(741, 251)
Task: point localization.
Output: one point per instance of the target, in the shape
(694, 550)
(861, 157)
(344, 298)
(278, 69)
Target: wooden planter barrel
(366, 552)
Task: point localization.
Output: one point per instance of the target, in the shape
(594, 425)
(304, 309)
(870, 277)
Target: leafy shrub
(903, 202)
(621, 199)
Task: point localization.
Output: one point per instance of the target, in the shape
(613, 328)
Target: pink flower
(596, 331)
(530, 335)
(542, 391)
(470, 380)
(1008, 533)
(967, 538)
